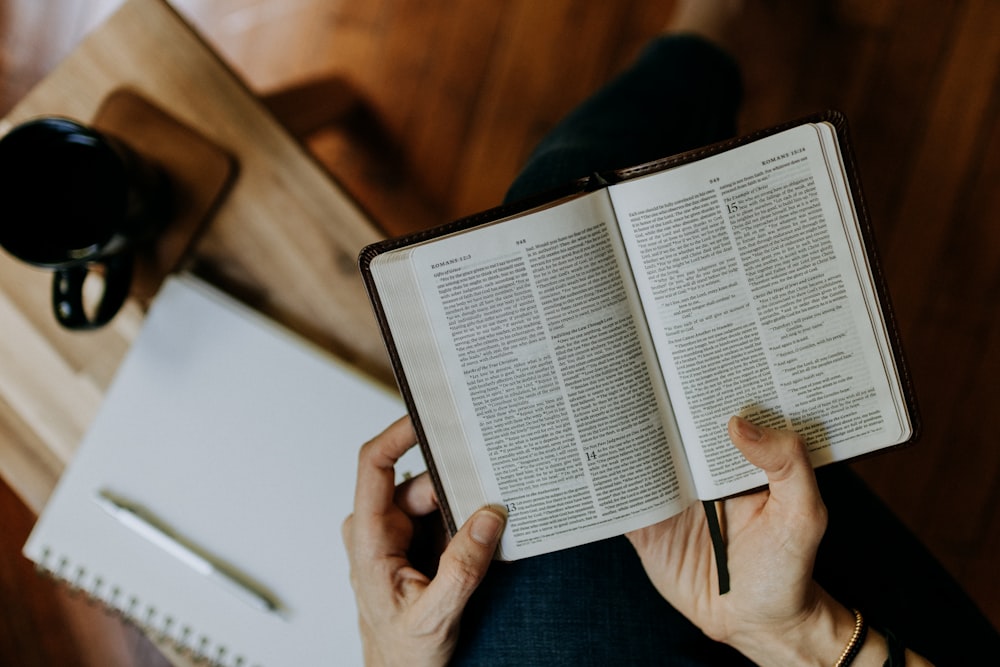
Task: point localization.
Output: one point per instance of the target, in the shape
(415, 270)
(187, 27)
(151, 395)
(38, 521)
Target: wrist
(817, 637)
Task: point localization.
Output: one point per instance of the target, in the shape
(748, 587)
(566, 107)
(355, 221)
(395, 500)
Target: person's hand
(406, 617)
(775, 613)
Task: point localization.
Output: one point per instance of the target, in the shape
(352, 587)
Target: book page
(749, 272)
(551, 405)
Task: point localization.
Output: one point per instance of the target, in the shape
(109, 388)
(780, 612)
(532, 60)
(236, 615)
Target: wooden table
(285, 239)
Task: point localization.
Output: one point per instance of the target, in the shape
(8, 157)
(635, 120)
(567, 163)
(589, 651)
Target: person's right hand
(775, 613)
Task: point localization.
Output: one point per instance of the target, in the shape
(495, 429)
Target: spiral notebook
(243, 439)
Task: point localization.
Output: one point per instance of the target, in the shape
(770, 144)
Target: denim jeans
(681, 93)
(594, 605)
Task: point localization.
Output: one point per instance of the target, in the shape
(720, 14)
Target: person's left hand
(406, 617)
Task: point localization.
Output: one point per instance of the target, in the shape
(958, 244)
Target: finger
(780, 454)
(416, 496)
(347, 533)
(376, 483)
(464, 562)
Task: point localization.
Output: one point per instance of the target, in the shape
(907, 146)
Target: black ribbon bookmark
(718, 545)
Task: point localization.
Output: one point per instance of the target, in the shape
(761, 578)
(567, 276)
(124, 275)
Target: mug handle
(67, 292)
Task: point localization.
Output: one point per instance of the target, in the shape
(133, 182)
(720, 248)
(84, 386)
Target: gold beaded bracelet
(857, 639)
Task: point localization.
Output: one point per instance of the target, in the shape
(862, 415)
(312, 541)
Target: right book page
(761, 302)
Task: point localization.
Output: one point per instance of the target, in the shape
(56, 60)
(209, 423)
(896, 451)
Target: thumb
(465, 561)
(780, 454)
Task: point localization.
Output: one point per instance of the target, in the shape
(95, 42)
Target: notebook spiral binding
(161, 628)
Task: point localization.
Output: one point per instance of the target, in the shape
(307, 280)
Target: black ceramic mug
(78, 202)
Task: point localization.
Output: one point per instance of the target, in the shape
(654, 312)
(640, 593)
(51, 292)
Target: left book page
(534, 378)
(243, 438)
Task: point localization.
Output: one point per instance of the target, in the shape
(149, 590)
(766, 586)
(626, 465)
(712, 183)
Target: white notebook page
(243, 438)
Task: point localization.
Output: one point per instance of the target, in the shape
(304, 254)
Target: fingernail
(748, 430)
(486, 527)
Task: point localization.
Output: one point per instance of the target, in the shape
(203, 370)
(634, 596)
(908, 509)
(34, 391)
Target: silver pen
(140, 521)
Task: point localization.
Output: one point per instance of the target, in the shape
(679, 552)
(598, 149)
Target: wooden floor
(467, 86)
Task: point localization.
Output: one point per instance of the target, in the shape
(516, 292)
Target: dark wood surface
(464, 88)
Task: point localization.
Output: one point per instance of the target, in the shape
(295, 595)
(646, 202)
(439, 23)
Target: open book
(577, 362)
